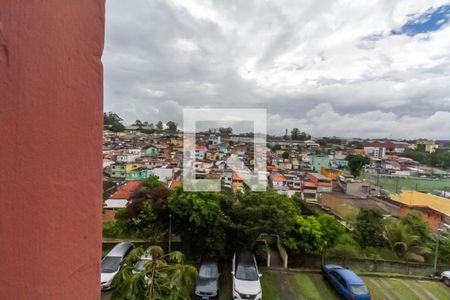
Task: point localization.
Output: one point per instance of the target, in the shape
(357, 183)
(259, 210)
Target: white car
(111, 263)
(246, 284)
(446, 277)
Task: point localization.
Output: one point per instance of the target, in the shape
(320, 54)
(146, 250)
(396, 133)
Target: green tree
(417, 225)
(198, 218)
(113, 122)
(356, 163)
(226, 131)
(252, 213)
(331, 229)
(171, 126)
(285, 155)
(307, 236)
(159, 125)
(404, 243)
(295, 134)
(166, 276)
(138, 123)
(152, 181)
(369, 229)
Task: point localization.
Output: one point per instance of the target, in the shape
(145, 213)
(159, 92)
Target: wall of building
(51, 119)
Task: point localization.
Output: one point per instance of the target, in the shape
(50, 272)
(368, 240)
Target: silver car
(111, 263)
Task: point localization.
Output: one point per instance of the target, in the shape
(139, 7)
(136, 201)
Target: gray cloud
(309, 63)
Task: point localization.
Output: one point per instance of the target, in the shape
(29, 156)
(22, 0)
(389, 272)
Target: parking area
(287, 286)
(278, 285)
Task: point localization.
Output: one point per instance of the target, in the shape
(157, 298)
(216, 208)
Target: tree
(198, 218)
(404, 243)
(307, 236)
(159, 125)
(171, 126)
(314, 234)
(356, 163)
(369, 229)
(152, 181)
(356, 145)
(112, 122)
(226, 131)
(285, 155)
(166, 276)
(295, 134)
(331, 229)
(417, 225)
(138, 123)
(252, 213)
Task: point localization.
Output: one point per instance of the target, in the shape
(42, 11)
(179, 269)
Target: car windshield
(111, 264)
(359, 289)
(246, 273)
(208, 271)
(140, 265)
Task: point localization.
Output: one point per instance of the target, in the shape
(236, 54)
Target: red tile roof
(126, 191)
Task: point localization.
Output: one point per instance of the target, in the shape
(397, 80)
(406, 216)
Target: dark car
(346, 283)
(208, 278)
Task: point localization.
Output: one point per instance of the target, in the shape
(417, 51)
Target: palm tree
(166, 276)
(405, 244)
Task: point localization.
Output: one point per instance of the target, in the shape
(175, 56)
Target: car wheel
(447, 281)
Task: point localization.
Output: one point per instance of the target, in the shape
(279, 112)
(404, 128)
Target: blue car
(346, 283)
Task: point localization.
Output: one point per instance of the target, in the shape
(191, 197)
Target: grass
(278, 285)
(292, 285)
(419, 184)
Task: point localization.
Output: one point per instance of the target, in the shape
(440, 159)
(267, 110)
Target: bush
(111, 230)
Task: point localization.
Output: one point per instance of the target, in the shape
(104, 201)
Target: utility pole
(170, 233)
(436, 255)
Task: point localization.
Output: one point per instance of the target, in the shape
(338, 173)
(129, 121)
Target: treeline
(226, 221)
(438, 159)
(114, 122)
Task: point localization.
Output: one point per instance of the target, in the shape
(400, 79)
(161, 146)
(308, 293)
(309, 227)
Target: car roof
(120, 249)
(332, 266)
(349, 276)
(245, 258)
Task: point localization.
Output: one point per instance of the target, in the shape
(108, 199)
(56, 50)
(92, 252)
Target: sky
(368, 69)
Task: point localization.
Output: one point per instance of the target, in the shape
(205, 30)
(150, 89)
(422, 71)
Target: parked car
(346, 283)
(140, 264)
(446, 277)
(111, 263)
(246, 284)
(207, 286)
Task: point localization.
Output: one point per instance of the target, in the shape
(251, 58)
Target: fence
(368, 265)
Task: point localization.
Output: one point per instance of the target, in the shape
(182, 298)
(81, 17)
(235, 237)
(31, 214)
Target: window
(359, 289)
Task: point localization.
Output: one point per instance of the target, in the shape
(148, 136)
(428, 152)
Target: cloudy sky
(344, 68)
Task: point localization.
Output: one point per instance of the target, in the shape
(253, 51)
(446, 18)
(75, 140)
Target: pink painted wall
(51, 110)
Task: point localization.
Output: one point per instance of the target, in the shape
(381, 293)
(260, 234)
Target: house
(320, 161)
(151, 151)
(434, 210)
(139, 174)
(426, 146)
(378, 149)
(127, 157)
(118, 171)
(212, 155)
(200, 152)
(323, 184)
(353, 187)
(330, 173)
(237, 183)
(278, 181)
(214, 139)
(120, 198)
